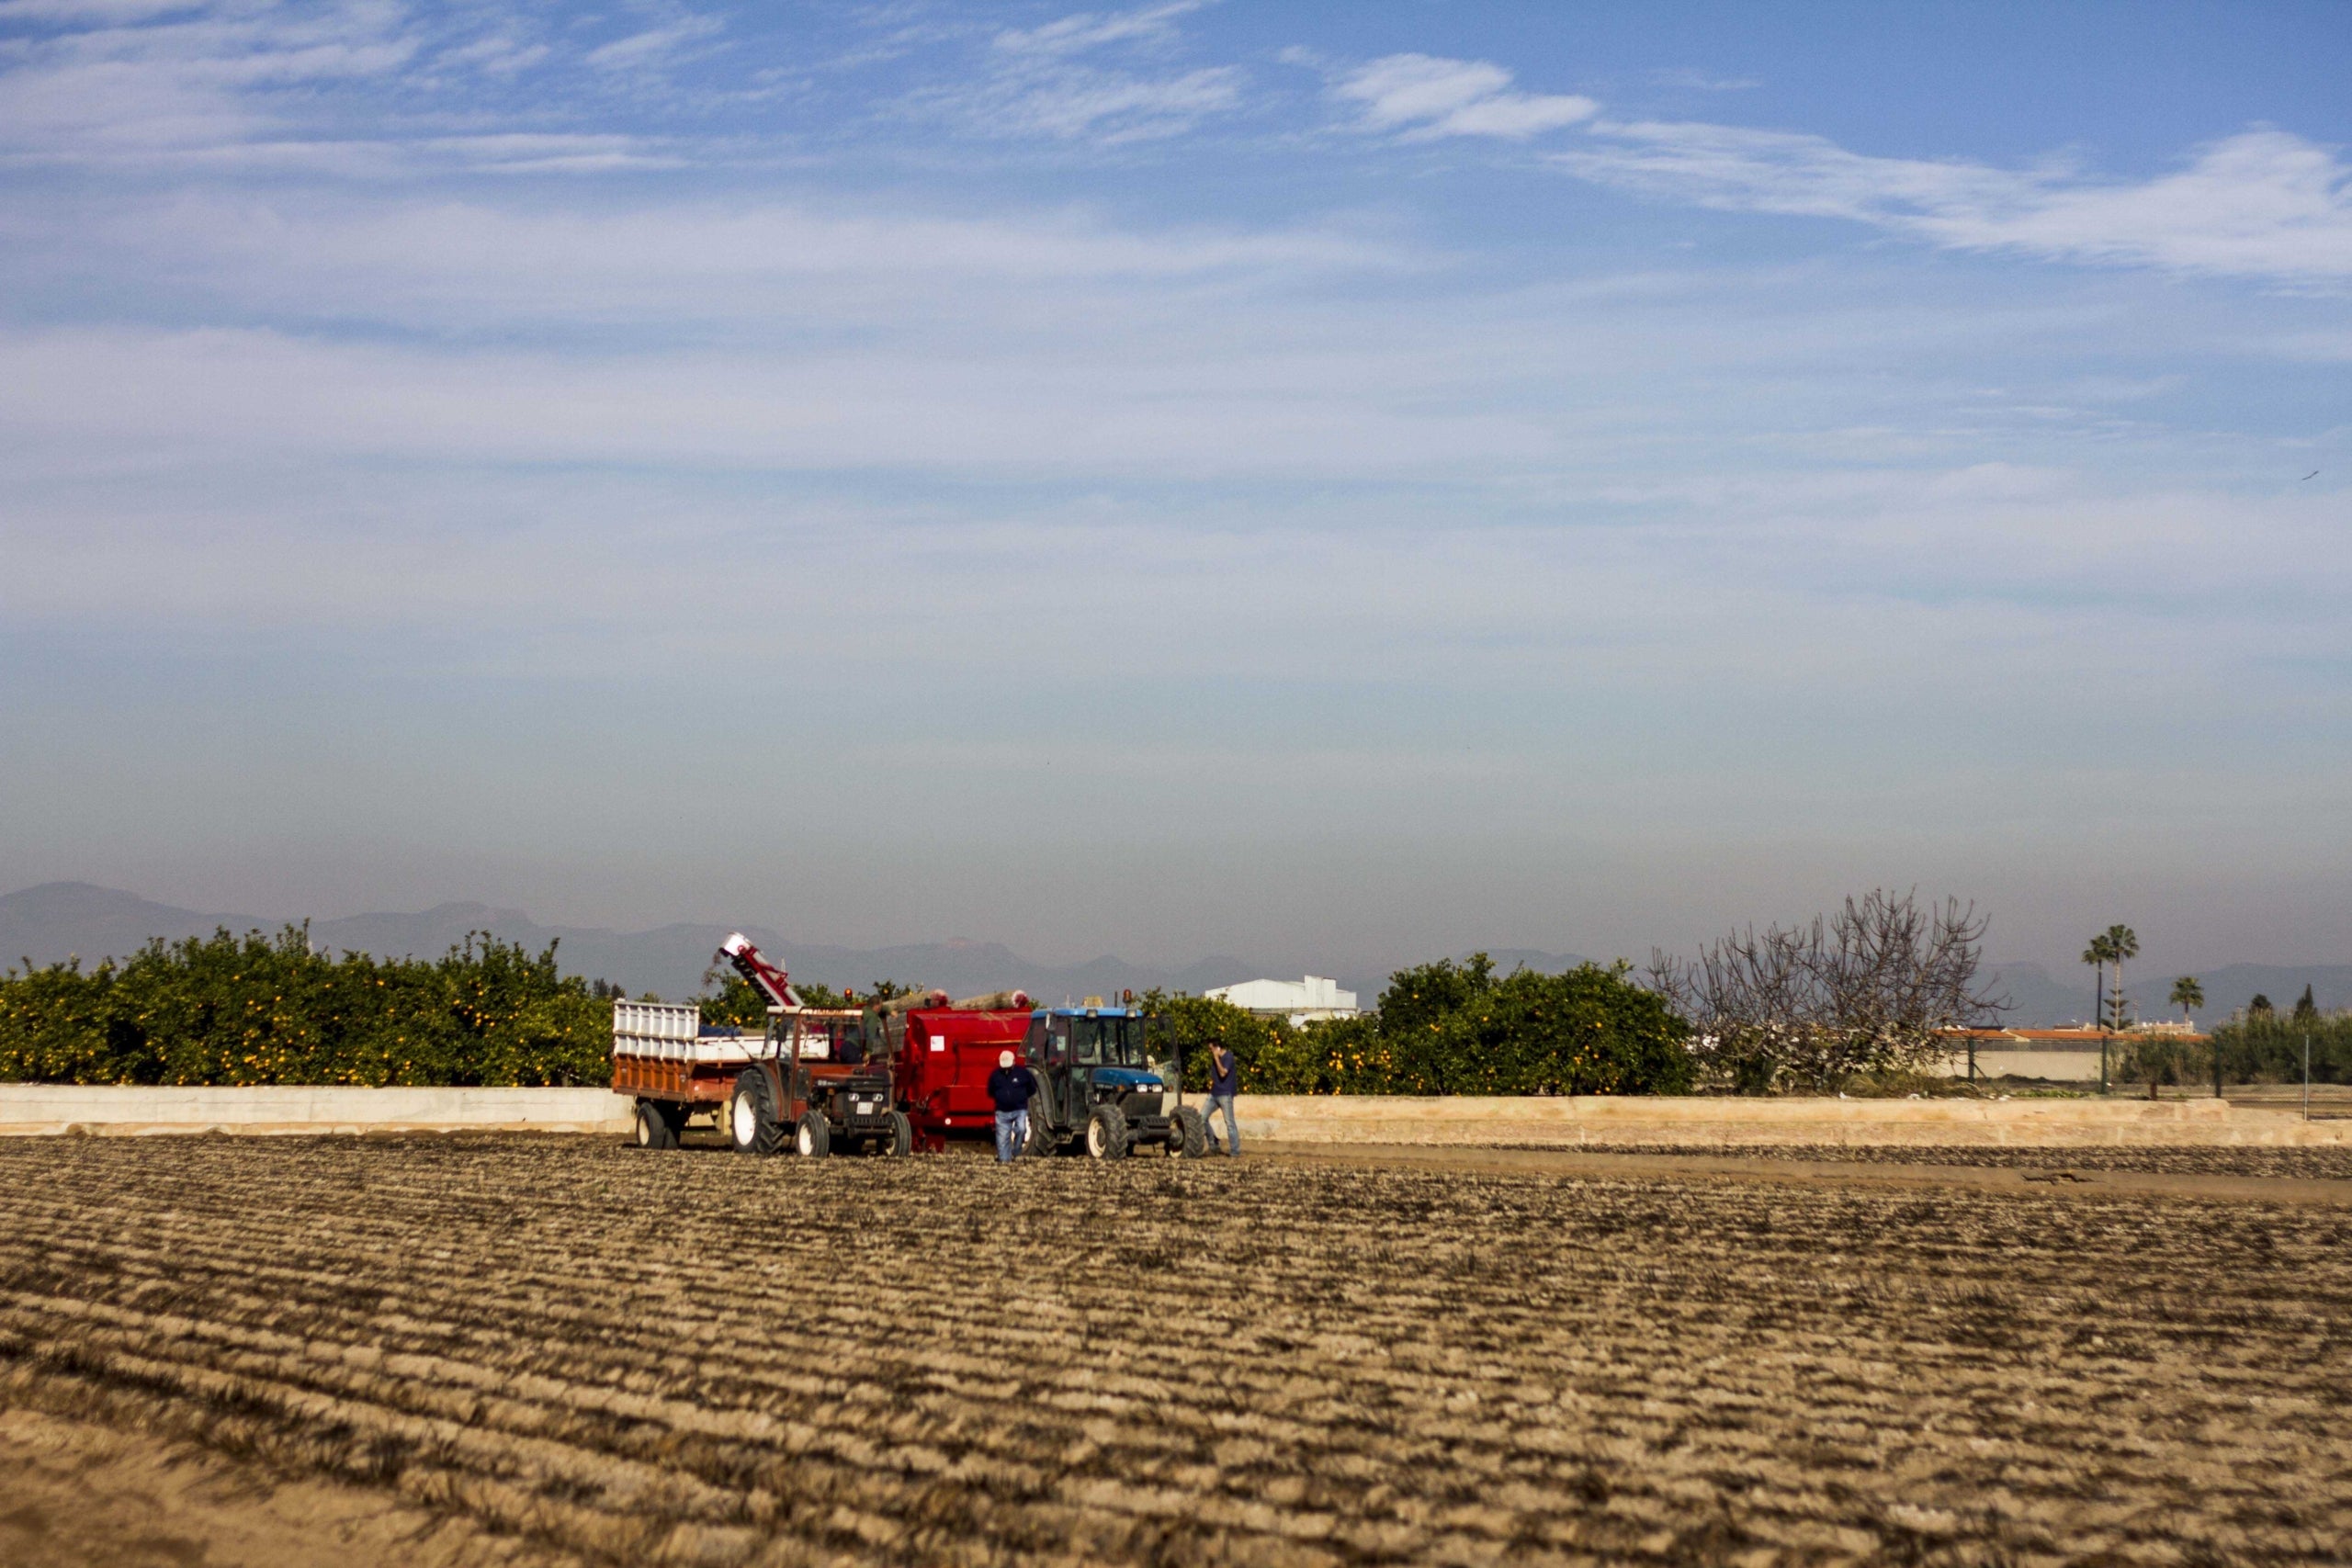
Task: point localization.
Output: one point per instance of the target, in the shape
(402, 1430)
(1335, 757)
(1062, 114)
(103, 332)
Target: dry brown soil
(552, 1350)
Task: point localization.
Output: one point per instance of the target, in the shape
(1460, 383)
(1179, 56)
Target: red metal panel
(942, 1073)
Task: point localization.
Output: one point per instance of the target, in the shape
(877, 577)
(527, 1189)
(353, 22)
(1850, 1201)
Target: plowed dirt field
(549, 1350)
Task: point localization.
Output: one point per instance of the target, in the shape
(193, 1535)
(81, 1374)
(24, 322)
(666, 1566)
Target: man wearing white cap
(1011, 1087)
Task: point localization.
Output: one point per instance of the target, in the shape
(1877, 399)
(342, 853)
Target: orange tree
(1449, 1028)
(259, 1010)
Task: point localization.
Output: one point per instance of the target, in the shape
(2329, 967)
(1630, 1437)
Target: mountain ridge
(51, 921)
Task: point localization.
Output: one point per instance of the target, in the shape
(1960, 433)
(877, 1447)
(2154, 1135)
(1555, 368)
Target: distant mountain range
(58, 919)
(2042, 1002)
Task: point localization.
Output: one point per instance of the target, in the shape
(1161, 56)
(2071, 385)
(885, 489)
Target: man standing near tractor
(1011, 1089)
(1224, 1082)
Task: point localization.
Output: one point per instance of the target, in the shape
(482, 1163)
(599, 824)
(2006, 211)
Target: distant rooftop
(1304, 1000)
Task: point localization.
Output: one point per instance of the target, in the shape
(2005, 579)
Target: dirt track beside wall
(555, 1349)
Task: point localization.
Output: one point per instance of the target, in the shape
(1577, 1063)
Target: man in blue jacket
(1011, 1089)
(1224, 1082)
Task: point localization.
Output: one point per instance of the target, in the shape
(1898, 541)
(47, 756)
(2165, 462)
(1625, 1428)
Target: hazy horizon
(1361, 483)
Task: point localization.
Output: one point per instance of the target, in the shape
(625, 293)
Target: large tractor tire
(1043, 1140)
(753, 1125)
(901, 1141)
(1188, 1137)
(653, 1128)
(812, 1136)
(1106, 1133)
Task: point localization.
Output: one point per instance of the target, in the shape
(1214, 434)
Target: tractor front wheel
(901, 1141)
(753, 1125)
(1106, 1133)
(1188, 1137)
(812, 1138)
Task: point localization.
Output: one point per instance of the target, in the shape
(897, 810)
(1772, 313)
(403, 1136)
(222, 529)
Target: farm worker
(1224, 1082)
(1011, 1087)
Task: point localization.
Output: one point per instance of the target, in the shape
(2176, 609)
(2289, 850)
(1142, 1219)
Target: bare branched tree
(1871, 988)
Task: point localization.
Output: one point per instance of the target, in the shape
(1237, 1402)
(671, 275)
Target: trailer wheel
(751, 1124)
(901, 1141)
(653, 1130)
(812, 1136)
(1189, 1138)
(1106, 1133)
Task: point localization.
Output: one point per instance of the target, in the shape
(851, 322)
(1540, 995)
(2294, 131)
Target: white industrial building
(1307, 1000)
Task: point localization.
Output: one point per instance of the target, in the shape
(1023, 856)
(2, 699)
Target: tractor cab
(1106, 1080)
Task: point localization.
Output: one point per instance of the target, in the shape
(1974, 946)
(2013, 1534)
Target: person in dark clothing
(1011, 1089)
(1224, 1082)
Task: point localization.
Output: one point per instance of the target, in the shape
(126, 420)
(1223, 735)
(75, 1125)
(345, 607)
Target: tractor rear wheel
(1188, 1138)
(653, 1129)
(1106, 1133)
(812, 1137)
(1041, 1139)
(753, 1125)
(901, 1141)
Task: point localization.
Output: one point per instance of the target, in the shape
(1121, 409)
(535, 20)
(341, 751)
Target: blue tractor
(1106, 1077)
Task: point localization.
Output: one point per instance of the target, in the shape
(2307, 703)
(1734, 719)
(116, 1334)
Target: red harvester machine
(903, 1074)
(941, 1054)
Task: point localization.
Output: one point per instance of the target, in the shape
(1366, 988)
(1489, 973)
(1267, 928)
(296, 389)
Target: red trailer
(942, 1056)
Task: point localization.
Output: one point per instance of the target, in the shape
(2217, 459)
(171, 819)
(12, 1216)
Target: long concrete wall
(1467, 1120)
(1716, 1123)
(104, 1109)
(2054, 1066)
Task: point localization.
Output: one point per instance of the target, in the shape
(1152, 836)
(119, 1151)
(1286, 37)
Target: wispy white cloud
(2262, 204)
(415, 264)
(1694, 81)
(1066, 80)
(194, 77)
(1422, 96)
(655, 47)
(1085, 30)
(497, 55)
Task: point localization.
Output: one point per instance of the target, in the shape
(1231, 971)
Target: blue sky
(1334, 484)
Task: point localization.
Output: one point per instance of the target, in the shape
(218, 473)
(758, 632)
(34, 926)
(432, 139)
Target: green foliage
(2188, 995)
(2262, 1047)
(257, 1010)
(2168, 1059)
(1448, 1028)
(739, 1002)
(1262, 1044)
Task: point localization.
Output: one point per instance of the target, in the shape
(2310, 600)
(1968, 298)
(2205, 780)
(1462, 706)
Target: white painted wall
(112, 1109)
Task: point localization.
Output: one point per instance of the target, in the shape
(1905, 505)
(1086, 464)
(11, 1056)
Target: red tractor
(805, 1083)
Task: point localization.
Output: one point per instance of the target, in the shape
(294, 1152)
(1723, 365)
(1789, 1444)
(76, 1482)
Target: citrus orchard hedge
(261, 1009)
(1448, 1028)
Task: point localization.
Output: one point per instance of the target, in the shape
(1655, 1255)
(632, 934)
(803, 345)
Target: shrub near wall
(1448, 1028)
(2268, 1048)
(256, 1009)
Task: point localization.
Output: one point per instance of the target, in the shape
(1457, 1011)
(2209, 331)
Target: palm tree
(2096, 955)
(2187, 996)
(2121, 943)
